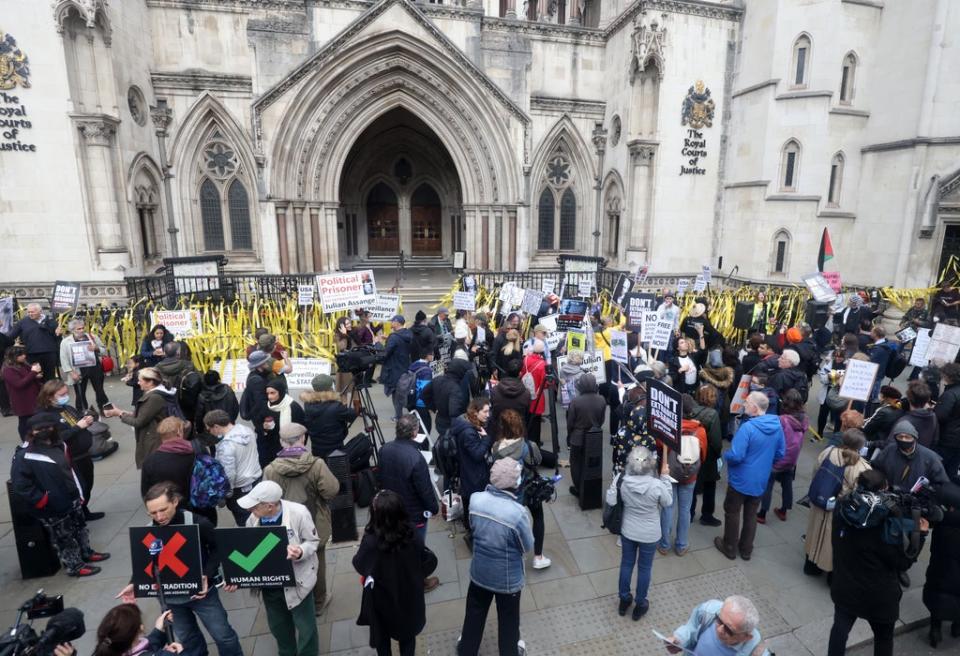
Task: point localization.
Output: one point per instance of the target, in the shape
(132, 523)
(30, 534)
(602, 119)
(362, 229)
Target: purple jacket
(794, 428)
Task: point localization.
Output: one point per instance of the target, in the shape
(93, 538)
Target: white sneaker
(619, 541)
(521, 648)
(541, 562)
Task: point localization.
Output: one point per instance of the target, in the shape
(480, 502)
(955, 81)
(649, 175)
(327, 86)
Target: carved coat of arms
(14, 67)
(698, 107)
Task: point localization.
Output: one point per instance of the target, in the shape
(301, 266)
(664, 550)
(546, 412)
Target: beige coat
(300, 532)
(819, 545)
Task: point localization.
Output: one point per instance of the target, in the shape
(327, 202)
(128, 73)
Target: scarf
(283, 407)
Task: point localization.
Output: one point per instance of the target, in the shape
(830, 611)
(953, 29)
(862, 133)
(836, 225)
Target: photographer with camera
(121, 633)
(906, 460)
(867, 568)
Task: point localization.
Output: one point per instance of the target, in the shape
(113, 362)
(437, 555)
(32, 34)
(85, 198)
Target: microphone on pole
(156, 547)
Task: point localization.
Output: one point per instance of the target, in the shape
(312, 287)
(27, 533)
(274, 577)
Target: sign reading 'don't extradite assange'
(663, 413)
(178, 563)
(255, 557)
(347, 290)
(66, 297)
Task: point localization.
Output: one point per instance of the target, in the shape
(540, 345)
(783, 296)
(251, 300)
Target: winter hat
(322, 383)
(420, 315)
(505, 473)
(267, 342)
(292, 431)
(697, 310)
(443, 310)
(399, 319)
(461, 331)
(257, 359)
(906, 428)
(279, 384)
(794, 336)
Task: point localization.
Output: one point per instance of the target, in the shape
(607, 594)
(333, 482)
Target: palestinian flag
(826, 250)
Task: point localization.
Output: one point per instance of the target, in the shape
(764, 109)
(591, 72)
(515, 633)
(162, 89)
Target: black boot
(935, 636)
(810, 568)
(624, 605)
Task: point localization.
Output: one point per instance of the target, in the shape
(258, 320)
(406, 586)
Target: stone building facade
(316, 135)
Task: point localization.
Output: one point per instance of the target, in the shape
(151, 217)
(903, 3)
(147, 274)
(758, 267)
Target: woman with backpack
(795, 423)
(473, 451)
(156, 404)
(534, 375)
(685, 475)
(393, 565)
(511, 443)
(282, 411)
(835, 476)
(121, 633)
(704, 412)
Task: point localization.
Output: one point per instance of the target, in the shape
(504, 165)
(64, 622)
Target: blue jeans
(682, 502)
(785, 479)
(641, 554)
(214, 618)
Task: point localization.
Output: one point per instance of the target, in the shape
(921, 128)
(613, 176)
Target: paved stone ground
(568, 608)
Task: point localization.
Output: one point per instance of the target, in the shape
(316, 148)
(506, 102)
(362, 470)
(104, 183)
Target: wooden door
(425, 218)
(383, 221)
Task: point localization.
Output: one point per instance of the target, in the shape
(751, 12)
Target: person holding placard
(80, 353)
(40, 335)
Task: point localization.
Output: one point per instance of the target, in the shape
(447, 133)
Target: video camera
(64, 625)
(921, 498)
(360, 360)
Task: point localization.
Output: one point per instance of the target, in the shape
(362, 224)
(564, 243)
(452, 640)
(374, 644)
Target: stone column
(299, 243)
(282, 238)
(331, 248)
(162, 116)
(406, 223)
(316, 239)
(100, 179)
(640, 203)
(512, 237)
(471, 240)
(574, 13)
(511, 9)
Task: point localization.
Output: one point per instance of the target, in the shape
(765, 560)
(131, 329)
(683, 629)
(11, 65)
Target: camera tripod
(362, 402)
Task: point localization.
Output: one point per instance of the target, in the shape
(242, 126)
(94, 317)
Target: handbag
(834, 401)
(613, 515)
(451, 506)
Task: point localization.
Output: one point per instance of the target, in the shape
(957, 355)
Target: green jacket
(306, 479)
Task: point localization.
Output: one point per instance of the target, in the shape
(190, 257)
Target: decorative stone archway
(391, 58)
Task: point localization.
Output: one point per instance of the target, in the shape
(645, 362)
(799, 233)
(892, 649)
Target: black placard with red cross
(178, 559)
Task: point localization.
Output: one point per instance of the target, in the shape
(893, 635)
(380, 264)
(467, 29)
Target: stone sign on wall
(697, 113)
(14, 71)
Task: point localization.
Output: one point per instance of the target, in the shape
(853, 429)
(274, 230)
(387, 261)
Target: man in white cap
(290, 610)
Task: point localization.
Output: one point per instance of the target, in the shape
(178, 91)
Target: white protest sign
(182, 323)
(660, 336)
(618, 346)
(347, 290)
(531, 301)
(819, 287)
(516, 296)
(650, 319)
(918, 357)
(233, 372)
(707, 275)
(682, 285)
(739, 400)
(554, 339)
(305, 294)
(304, 370)
(506, 291)
(944, 344)
(464, 301)
(700, 283)
(385, 307)
(592, 364)
(548, 286)
(858, 380)
(907, 334)
(549, 322)
(585, 288)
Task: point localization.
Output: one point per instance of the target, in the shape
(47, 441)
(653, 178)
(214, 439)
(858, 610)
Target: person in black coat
(404, 470)
(327, 419)
(789, 376)
(866, 576)
(941, 591)
(445, 394)
(424, 339)
(848, 319)
(473, 449)
(253, 402)
(396, 357)
(585, 412)
(508, 394)
(393, 564)
(41, 336)
(947, 411)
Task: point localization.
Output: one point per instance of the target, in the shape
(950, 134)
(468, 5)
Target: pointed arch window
(848, 75)
(568, 220)
(800, 68)
(545, 220)
(790, 166)
(223, 196)
(557, 205)
(780, 256)
(836, 180)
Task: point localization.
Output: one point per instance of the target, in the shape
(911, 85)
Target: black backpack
(896, 364)
(445, 455)
(405, 394)
(613, 515)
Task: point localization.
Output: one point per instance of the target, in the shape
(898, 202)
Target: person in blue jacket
(757, 444)
(721, 627)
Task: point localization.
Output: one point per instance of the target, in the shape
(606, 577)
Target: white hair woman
(643, 495)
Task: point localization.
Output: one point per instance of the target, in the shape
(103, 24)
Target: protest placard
(81, 355)
(641, 275)
(347, 290)
(682, 285)
(506, 291)
(663, 413)
(548, 285)
(585, 288)
(464, 301)
(649, 326)
(819, 287)
(549, 321)
(918, 357)
(572, 312)
(907, 334)
(554, 340)
(624, 286)
(470, 284)
(516, 296)
(255, 557)
(833, 279)
(305, 294)
(178, 558)
(182, 323)
(661, 334)
(385, 307)
(707, 273)
(6, 314)
(576, 340)
(699, 284)
(944, 344)
(304, 371)
(531, 301)
(618, 346)
(858, 380)
(592, 364)
(66, 297)
(634, 306)
(740, 395)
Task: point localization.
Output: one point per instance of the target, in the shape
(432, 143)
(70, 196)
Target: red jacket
(537, 367)
(23, 386)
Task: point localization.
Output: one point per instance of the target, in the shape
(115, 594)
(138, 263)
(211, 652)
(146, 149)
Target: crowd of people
(482, 388)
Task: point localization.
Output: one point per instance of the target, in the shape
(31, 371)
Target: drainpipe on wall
(600, 143)
(162, 116)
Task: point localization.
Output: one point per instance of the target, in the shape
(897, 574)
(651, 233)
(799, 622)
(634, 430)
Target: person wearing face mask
(906, 460)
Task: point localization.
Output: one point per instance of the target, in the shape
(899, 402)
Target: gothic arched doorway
(399, 191)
